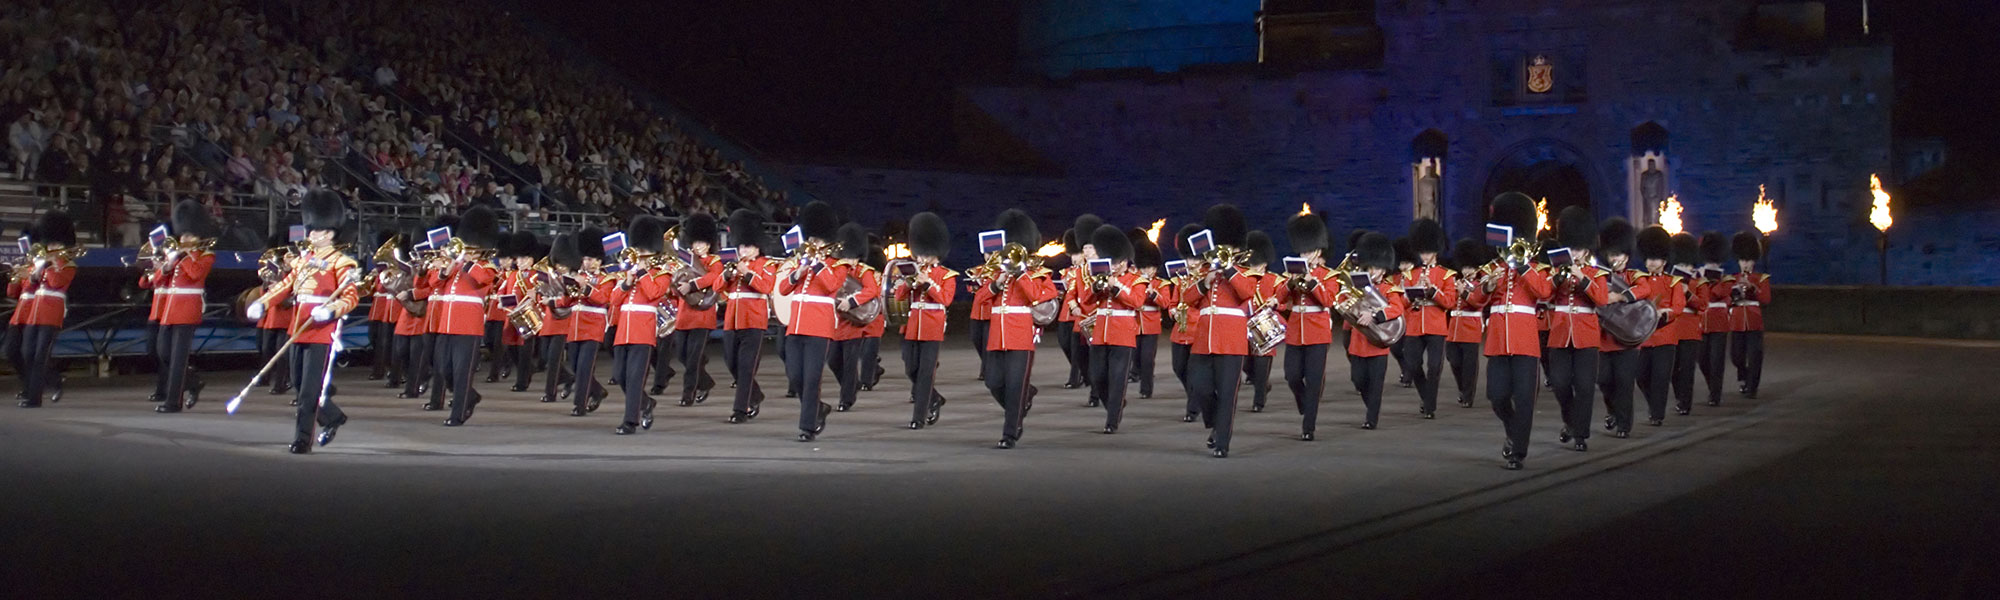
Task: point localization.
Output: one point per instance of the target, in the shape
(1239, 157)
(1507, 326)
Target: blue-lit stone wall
(1059, 37)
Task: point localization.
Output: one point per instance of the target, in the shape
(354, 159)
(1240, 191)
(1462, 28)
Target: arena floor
(1867, 468)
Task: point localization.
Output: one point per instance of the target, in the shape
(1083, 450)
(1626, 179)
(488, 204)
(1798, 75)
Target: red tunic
(711, 279)
(928, 308)
(277, 315)
(1071, 307)
(1747, 313)
(23, 297)
(1149, 312)
(460, 299)
(1358, 344)
(1669, 296)
(587, 311)
(51, 295)
(1714, 296)
(1221, 320)
(504, 284)
(317, 289)
(408, 323)
(638, 314)
(383, 307)
(1468, 320)
(1118, 312)
(1171, 297)
(982, 297)
(1433, 318)
(1573, 310)
(750, 301)
(812, 298)
(871, 288)
(1269, 287)
(1012, 326)
(1511, 325)
(1309, 320)
(1642, 289)
(181, 283)
(145, 283)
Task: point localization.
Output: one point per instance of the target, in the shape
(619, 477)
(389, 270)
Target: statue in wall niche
(1652, 183)
(1425, 192)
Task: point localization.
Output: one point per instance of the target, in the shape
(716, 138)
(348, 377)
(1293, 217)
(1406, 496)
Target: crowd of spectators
(416, 102)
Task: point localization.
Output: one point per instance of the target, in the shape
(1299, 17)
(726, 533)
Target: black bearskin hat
(1747, 246)
(1426, 236)
(1081, 233)
(816, 220)
(323, 210)
(746, 228)
(1226, 223)
(1020, 228)
(929, 236)
(1145, 253)
(1375, 250)
(1514, 209)
(1306, 233)
(877, 258)
(191, 218)
(1576, 228)
(853, 240)
(1262, 251)
(699, 227)
(279, 239)
(1468, 252)
(383, 236)
(590, 242)
(525, 245)
(1714, 248)
(1354, 238)
(1403, 252)
(565, 253)
(1181, 247)
(1685, 249)
(647, 234)
(479, 228)
(1655, 243)
(1111, 243)
(1616, 237)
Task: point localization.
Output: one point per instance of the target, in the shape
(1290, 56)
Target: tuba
(1629, 323)
(1353, 303)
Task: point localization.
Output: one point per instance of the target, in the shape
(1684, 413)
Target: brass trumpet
(817, 251)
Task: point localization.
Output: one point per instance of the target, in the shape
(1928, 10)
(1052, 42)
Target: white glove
(256, 310)
(321, 315)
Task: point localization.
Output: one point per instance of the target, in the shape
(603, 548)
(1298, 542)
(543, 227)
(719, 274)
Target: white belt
(1576, 310)
(926, 306)
(384, 295)
(1749, 303)
(590, 309)
(1690, 311)
(1233, 312)
(1012, 310)
(1306, 310)
(748, 296)
(1465, 313)
(1116, 312)
(51, 294)
(1149, 309)
(1718, 305)
(811, 298)
(311, 299)
(181, 290)
(1513, 308)
(458, 298)
(636, 308)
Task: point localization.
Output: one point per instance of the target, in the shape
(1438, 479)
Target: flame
(1670, 214)
(1305, 209)
(1153, 234)
(896, 250)
(1764, 214)
(1050, 249)
(1542, 215)
(1878, 216)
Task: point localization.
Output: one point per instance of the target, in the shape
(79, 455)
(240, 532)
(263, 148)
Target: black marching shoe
(1220, 453)
(845, 407)
(492, 378)
(519, 387)
(1006, 443)
(326, 433)
(1071, 385)
(700, 396)
(807, 436)
(453, 422)
(28, 404)
(1306, 436)
(1256, 408)
(626, 429)
(548, 398)
(375, 376)
(596, 400)
(1367, 425)
(824, 410)
(755, 409)
(1656, 422)
(1110, 429)
(738, 418)
(937, 408)
(1681, 411)
(578, 411)
(433, 406)
(1092, 403)
(393, 383)
(1467, 403)
(1579, 446)
(1513, 464)
(163, 408)
(62, 381)
(659, 390)
(1145, 395)
(1188, 418)
(1428, 414)
(646, 416)
(1563, 438)
(1621, 434)
(301, 447)
(1715, 403)
(1211, 441)
(916, 425)
(791, 394)
(1402, 381)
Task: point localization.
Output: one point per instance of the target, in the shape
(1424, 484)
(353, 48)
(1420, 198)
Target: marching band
(1598, 308)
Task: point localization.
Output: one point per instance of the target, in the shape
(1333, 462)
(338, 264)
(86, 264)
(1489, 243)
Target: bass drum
(781, 309)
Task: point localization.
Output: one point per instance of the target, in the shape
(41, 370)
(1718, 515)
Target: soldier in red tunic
(557, 321)
(1686, 323)
(1075, 345)
(929, 293)
(425, 374)
(381, 315)
(1307, 301)
(700, 236)
(871, 334)
(409, 332)
(1656, 354)
(747, 283)
(1620, 370)
(1220, 304)
(1114, 331)
(1430, 290)
(1256, 365)
(1368, 364)
(1748, 292)
(458, 293)
(1509, 290)
(1572, 338)
(847, 349)
(636, 291)
(811, 281)
(1174, 299)
(1713, 295)
(182, 279)
(499, 343)
(1406, 261)
(324, 285)
(46, 285)
(1146, 260)
(17, 290)
(1010, 345)
(276, 324)
(1468, 322)
(588, 302)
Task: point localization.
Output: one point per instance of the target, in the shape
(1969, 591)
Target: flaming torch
(1050, 249)
(1305, 209)
(1670, 214)
(1153, 234)
(1542, 215)
(1879, 217)
(1764, 214)
(896, 250)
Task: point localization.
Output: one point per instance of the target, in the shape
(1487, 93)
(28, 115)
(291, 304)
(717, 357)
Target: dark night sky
(873, 79)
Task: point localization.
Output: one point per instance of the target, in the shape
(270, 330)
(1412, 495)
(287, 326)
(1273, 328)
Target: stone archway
(1543, 169)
